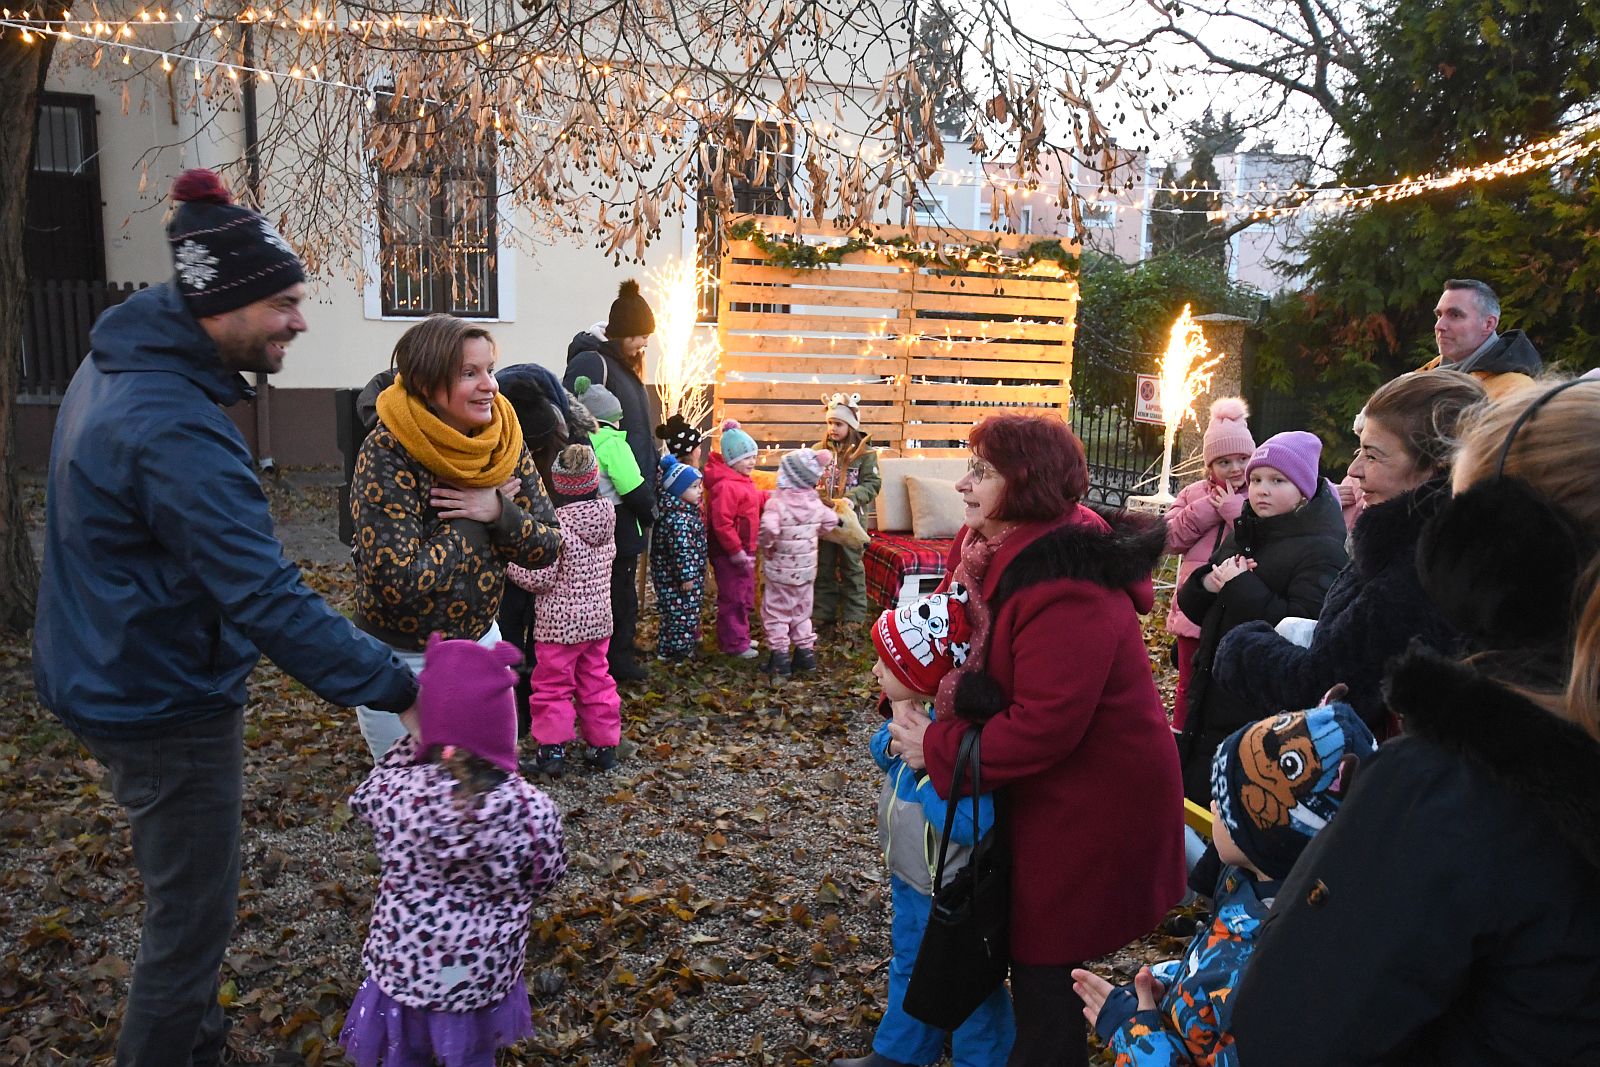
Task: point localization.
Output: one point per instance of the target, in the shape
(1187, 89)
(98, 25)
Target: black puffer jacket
(1450, 914)
(1374, 609)
(1297, 557)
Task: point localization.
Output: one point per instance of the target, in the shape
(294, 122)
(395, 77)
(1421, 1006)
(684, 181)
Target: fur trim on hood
(1531, 752)
(1395, 526)
(1117, 558)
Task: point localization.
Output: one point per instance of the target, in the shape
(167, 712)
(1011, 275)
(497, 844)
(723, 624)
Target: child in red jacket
(733, 514)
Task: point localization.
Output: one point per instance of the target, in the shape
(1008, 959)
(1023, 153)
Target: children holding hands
(1200, 517)
(917, 645)
(466, 847)
(1276, 783)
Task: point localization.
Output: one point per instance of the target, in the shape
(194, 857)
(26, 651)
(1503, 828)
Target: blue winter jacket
(911, 816)
(163, 581)
(1191, 1025)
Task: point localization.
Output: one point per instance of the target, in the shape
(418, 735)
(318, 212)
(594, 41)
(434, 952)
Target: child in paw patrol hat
(917, 645)
(1275, 784)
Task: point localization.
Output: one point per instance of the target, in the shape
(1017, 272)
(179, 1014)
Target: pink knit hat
(466, 697)
(1227, 434)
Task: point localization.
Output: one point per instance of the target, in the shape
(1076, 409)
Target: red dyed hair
(1041, 460)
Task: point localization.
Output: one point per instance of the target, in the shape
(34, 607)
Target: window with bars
(764, 187)
(438, 247)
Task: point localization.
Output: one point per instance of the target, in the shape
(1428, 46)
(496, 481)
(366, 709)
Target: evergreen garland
(782, 250)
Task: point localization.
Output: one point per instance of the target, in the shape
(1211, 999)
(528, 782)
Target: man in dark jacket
(1464, 325)
(163, 583)
(616, 361)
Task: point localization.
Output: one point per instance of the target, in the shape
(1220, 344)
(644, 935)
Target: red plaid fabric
(890, 557)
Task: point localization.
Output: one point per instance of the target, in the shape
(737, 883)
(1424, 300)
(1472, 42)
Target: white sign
(1147, 399)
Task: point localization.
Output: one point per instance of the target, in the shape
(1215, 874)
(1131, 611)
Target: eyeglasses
(979, 469)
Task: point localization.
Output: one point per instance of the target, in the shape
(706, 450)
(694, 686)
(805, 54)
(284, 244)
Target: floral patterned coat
(418, 573)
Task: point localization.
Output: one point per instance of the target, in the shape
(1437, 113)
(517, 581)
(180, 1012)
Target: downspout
(252, 164)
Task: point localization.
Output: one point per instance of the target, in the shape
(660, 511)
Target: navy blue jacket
(163, 581)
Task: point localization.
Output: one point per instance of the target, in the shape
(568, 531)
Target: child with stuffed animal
(917, 645)
(678, 559)
(1275, 784)
(466, 848)
(1198, 520)
(1277, 561)
(791, 520)
(733, 517)
(849, 484)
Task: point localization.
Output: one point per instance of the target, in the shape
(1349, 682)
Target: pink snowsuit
(790, 523)
(572, 631)
(733, 511)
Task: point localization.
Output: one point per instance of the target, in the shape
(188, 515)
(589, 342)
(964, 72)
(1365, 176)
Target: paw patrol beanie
(1278, 781)
(925, 640)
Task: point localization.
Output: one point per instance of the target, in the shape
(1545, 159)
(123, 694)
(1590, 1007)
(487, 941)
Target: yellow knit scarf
(486, 459)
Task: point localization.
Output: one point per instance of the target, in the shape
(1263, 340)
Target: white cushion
(893, 505)
(936, 509)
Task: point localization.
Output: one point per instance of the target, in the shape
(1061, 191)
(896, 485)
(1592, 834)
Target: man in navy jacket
(163, 583)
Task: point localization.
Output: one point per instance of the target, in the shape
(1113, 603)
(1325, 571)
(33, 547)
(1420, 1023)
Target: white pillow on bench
(936, 508)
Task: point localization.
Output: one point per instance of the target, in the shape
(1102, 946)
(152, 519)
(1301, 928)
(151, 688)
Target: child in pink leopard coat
(466, 847)
(572, 684)
(791, 521)
(1200, 518)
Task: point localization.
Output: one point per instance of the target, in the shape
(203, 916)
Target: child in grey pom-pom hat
(791, 521)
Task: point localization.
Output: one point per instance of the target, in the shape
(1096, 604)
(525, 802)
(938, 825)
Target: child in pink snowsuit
(733, 511)
(466, 847)
(791, 519)
(572, 622)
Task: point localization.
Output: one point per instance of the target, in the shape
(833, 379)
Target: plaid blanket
(890, 557)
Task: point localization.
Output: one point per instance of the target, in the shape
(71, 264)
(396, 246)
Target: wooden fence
(55, 331)
(930, 351)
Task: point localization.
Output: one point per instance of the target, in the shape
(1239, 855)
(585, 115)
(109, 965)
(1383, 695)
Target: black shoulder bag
(966, 950)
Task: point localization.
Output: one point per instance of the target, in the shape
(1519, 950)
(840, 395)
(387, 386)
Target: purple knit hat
(1296, 454)
(466, 696)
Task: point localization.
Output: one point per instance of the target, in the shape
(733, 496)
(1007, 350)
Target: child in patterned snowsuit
(917, 645)
(678, 559)
(1275, 784)
(466, 847)
(572, 622)
(852, 475)
(790, 522)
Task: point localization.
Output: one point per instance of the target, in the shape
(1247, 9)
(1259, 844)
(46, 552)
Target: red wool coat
(1079, 746)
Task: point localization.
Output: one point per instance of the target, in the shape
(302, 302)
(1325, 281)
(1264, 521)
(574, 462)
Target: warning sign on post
(1147, 399)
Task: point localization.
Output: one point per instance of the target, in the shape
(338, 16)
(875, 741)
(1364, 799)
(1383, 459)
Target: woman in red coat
(1075, 738)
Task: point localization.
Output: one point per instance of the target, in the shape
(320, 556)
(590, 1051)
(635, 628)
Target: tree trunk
(22, 68)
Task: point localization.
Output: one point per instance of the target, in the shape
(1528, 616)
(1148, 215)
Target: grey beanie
(600, 402)
(800, 469)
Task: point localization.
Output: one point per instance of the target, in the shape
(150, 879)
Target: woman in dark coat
(1075, 737)
(1449, 914)
(612, 355)
(1376, 606)
(1278, 564)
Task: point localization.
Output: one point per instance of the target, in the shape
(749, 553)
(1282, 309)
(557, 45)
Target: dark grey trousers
(183, 795)
(1051, 1031)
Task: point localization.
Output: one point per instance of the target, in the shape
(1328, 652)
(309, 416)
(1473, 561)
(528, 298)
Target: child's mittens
(979, 697)
(742, 560)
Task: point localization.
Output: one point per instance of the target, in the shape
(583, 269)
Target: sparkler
(1186, 369)
(687, 364)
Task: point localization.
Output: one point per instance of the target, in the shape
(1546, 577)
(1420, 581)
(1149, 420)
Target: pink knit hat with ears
(466, 697)
(1227, 434)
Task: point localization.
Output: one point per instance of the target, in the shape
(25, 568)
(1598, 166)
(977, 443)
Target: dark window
(63, 239)
(438, 251)
(765, 187)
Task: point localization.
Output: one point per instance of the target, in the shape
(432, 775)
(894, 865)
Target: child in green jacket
(840, 591)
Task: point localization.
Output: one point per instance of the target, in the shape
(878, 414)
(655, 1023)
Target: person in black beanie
(611, 354)
(163, 583)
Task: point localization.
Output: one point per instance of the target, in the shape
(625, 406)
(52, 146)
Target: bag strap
(967, 757)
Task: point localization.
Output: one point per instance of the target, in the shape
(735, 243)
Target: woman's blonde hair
(428, 356)
(1557, 453)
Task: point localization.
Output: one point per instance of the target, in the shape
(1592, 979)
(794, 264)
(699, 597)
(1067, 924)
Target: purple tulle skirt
(379, 1029)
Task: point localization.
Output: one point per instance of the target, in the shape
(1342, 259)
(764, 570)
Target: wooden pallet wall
(930, 352)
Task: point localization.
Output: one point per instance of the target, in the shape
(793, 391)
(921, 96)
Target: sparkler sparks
(686, 365)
